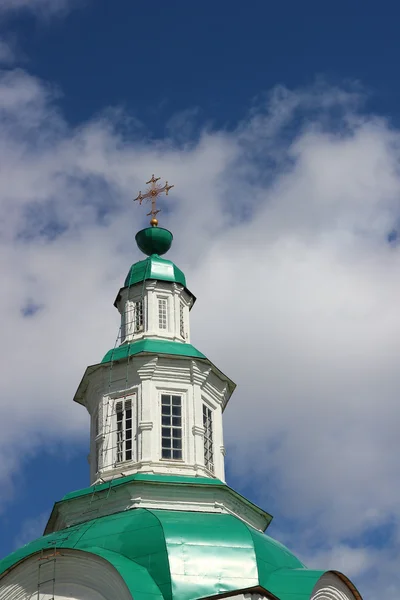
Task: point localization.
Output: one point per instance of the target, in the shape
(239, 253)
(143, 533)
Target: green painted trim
(142, 477)
(154, 347)
(154, 267)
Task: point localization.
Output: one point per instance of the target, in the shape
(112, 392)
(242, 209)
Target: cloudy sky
(280, 127)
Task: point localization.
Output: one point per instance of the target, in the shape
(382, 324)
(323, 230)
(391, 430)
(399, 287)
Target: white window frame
(124, 435)
(132, 318)
(138, 315)
(162, 313)
(209, 437)
(98, 438)
(175, 424)
(182, 328)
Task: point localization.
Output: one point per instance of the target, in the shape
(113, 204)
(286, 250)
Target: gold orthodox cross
(153, 191)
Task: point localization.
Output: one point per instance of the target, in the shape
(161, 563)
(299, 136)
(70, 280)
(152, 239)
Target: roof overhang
(80, 393)
(192, 296)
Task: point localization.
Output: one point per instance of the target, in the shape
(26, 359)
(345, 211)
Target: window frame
(97, 439)
(163, 317)
(175, 424)
(182, 323)
(138, 325)
(120, 427)
(130, 325)
(208, 437)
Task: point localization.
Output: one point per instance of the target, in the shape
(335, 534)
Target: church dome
(154, 240)
(154, 267)
(164, 555)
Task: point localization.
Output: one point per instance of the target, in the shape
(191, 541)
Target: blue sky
(278, 123)
(157, 58)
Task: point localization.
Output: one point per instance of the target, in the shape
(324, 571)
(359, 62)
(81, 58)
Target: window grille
(162, 313)
(182, 319)
(171, 426)
(208, 438)
(132, 319)
(138, 311)
(124, 430)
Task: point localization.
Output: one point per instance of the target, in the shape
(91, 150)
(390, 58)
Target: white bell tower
(155, 402)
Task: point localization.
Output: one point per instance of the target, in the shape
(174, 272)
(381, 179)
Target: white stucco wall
(331, 587)
(77, 576)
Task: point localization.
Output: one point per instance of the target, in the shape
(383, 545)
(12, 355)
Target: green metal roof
(154, 267)
(186, 555)
(152, 346)
(154, 240)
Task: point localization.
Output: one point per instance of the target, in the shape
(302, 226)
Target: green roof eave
(104, 489)
(149, 346)
(154, 347)
(142, 477)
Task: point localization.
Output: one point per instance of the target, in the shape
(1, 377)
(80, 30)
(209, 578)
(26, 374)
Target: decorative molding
(161, 496)
(332, 587)
(147, 370)
(198, 430)
(145, 425)
(199, 372)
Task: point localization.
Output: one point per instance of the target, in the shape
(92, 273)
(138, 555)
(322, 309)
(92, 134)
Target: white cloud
(7, 52)
(39, 7)
(351, 561)
(281, 227)
(31, 529)
(375, 569)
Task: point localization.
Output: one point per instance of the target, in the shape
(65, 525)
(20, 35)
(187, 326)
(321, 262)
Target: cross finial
(152, 193)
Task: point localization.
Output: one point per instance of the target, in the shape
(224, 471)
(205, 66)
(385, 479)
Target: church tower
(155, 402)
(158, 521)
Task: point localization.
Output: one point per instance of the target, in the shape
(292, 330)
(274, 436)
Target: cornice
(157, 495)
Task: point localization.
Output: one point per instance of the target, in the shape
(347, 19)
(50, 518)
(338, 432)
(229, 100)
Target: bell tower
(155, 401)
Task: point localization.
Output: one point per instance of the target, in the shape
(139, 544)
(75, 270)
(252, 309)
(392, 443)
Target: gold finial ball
(154, 222)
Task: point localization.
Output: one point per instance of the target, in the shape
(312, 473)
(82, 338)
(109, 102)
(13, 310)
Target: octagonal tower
(155, 401)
